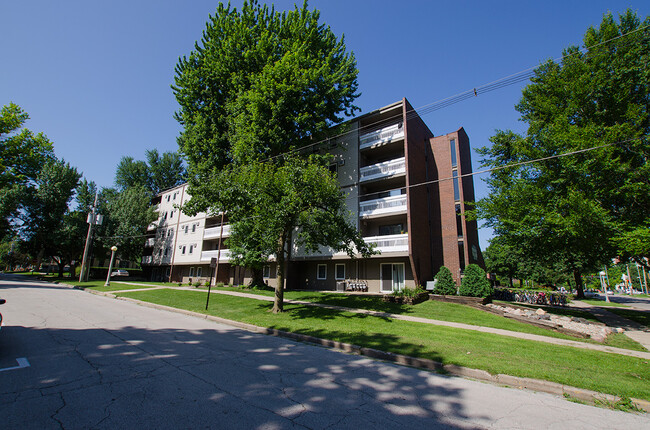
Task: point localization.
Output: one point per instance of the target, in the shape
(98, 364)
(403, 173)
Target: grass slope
(593, 370)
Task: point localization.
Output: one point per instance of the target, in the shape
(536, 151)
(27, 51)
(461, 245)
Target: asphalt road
(636, 302)
(70, 359)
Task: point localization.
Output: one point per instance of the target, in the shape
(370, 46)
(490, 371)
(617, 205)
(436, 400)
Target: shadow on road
(218, 378)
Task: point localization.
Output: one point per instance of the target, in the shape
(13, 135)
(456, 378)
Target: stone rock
(540, 311)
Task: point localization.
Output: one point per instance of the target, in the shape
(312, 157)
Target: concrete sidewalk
(633, 330)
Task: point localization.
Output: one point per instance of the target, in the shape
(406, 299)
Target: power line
(512, 79)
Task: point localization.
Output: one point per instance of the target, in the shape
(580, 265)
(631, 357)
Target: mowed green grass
(444, 311)
(593, 370)
(99, 286)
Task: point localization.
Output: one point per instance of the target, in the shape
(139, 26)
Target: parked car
(120, 273)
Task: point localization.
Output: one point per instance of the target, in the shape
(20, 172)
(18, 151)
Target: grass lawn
(445, 312)
(642, 317)
(596, 302)
(99, 285)
(616, 374)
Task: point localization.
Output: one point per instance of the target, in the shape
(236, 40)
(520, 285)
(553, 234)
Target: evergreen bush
(475, 282)
(445, 282)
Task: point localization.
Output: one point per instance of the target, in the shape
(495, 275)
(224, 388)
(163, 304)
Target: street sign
(213, 262)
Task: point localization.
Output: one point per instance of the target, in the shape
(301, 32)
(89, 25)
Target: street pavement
(69, 359)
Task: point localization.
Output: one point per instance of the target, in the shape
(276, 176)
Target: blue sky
(95, 76)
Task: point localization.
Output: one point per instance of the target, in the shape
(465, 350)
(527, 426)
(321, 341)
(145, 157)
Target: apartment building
(406, 190)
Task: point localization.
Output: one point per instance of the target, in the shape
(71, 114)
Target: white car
(120, 273)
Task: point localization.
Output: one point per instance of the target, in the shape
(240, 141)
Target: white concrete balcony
(390, 243)
(224, 256)
(150, 242)
(387, 206)
(215, 232)
(381, 136)
(147, 259)
(152, 226)
(383, 170)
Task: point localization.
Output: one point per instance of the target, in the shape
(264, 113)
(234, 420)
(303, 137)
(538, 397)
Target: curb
(538, 385)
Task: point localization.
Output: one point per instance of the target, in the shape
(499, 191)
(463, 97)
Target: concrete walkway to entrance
(502, 332)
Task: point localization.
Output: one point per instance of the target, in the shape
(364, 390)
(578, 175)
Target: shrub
(445, 282)
(475, 282)
(180, 284)
(219, 284)
(197, 284)
(207, 284)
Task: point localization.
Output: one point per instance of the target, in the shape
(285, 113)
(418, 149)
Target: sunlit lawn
(594, 370)
(445, 312)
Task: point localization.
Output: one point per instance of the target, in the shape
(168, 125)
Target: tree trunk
(578, 280)
(257, 278)
(278, 303)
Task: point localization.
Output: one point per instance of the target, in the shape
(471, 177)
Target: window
(474, 252)
(199, 271)
(385, 230)
(452, 149)
(191, 248)
(168, 197)
(175, 195)
(191, 272)
(459, 221)
(322, 272)
(333, 168)
(171, 215)
(340, 272)
(456, 187)
(170, 232)
(461, 255)
(267, 271)
(187, 228)
(183, 250)
(160, 252)
(166, 251)
(164, 216)
(193, 228)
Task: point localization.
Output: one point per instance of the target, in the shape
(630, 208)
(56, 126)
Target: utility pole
(92, 220)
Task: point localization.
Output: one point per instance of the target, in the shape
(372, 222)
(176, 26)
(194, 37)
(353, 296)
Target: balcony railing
(384, 135)
(150, 242)
(385, 206)
(383, 170)
(224, 256)
(390, 243)
(147, 259)
(215, 232)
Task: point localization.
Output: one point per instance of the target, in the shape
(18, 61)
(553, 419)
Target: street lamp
(110, 266)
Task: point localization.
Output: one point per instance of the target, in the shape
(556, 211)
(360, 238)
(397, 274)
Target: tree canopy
(573, 209)
(159, 172)
(22, 156)
(259, 84)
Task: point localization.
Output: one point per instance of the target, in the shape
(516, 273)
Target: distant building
(407, 190)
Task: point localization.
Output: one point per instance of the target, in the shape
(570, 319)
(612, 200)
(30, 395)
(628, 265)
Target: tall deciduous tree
(271, 204)
(158, 173)
(128, 213)
(46, 210)
(571, 209)
(21, 158)
(257, 85)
